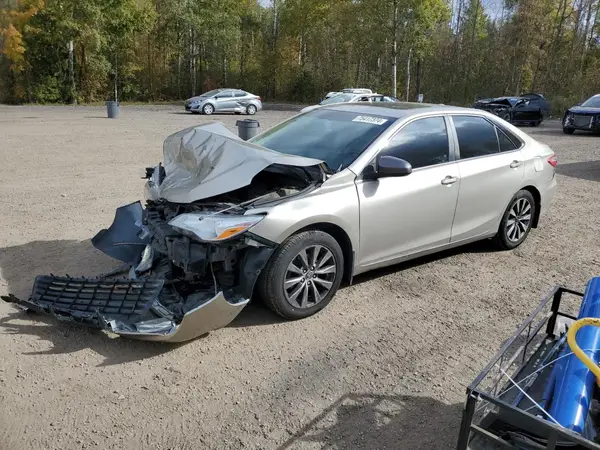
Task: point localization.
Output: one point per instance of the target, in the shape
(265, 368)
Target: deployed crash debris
(192, 264)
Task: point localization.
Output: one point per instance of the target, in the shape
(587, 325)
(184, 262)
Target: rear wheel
(517, 221)
(568, 130)
(303, 275)
(251, 110)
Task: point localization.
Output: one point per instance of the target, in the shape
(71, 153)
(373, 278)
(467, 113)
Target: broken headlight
(213, 227)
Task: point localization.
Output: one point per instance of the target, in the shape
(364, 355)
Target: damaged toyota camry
(290, 214)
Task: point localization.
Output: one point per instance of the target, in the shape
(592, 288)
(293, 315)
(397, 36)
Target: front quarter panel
(334, 202)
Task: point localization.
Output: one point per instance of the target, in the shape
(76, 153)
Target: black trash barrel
(112, 109)
(247, 128)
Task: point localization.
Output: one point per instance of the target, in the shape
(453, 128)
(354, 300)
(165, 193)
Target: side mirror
(390, 166)
(387, 166)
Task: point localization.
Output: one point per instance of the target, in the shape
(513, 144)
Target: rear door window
(476, 136)
(240, 94)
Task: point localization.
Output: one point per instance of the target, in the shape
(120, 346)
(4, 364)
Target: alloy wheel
(309, 276)
(208, 109)
(519, 220)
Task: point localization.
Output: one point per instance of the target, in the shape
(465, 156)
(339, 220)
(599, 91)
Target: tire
(250, 110)
(568, 130)
(281, 299)
(208, 109)
(522, 209)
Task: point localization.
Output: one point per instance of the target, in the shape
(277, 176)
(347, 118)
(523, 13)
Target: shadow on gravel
(485, 246)
(588, 170)
(20, 264)
(381, 422)
(66, 338)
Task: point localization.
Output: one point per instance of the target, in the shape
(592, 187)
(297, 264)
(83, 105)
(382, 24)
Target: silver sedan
(351, 97)
(324, 196)
(224, 100)
(404, 180)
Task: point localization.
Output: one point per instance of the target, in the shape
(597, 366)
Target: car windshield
(336, 137)
(211, 93)
(340, 98)
(592, 102)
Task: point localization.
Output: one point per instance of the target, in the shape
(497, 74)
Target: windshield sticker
(370, 119)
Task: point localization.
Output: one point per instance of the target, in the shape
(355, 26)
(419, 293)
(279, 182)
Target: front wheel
(208, 109)
(303, 275)
(517, 221)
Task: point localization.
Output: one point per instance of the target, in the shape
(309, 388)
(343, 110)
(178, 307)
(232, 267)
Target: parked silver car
(350, 97)
(224, 100)
(349, 91)
(319, 198)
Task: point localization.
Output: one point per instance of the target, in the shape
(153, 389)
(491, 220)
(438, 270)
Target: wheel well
(342, 238)
(538, 203)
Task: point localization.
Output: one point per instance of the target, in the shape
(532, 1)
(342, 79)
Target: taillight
(259, 99)
(553, 160)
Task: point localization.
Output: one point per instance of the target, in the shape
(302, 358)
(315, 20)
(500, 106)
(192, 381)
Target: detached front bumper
(136, 308)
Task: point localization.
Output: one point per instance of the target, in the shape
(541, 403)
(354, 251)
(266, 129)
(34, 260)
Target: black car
(529, 108)
(585, 116)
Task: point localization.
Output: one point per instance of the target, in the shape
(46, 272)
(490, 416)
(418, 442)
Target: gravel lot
(384, 366)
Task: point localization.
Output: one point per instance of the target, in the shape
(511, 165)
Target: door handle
(449, 180)
(515, 164)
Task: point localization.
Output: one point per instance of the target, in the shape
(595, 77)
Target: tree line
(451, 51)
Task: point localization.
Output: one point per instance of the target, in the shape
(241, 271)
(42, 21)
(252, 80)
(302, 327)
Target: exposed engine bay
(191, 259)
(499, 107)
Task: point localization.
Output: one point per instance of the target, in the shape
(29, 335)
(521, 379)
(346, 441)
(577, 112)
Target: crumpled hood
(493, 101)
(209, 160)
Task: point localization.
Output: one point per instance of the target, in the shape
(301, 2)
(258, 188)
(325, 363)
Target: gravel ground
(385, 365)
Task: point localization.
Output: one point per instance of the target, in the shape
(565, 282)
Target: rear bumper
(547, 195)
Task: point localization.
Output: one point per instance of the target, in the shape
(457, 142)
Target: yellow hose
(585, 359)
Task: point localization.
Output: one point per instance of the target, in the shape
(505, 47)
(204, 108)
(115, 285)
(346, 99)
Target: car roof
(397, 109)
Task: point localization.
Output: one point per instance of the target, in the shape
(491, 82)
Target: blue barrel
(573, 381)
